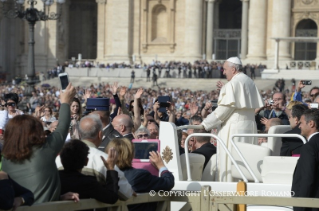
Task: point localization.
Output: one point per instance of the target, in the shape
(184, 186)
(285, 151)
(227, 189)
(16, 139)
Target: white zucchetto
(234, 60)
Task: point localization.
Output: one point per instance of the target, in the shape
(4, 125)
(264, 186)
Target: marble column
(244, 29)
(193, 29)
(257, 30)
(209, 29)
(101, 23)
(281, 25)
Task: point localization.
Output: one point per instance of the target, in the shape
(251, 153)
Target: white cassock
(235, 114)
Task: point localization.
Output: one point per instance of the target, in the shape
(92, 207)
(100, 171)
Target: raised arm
(57, 138)
(122, 100)
(137, 111)
(114, 88)
(204, 112)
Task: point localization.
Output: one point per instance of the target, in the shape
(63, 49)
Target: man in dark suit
(203, 146)
(292, 146)
(306, 176)
(100, 107)
(124, 125)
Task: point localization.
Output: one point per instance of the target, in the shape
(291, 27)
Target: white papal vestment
(235, 114)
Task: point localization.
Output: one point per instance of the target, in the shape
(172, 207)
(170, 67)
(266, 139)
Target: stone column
(119, 31)
(193, 29)
(209, 29)
(244, 29)
(257, 30)
(101, 24)
(281, 25)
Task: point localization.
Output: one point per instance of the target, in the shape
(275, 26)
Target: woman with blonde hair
(141, 180)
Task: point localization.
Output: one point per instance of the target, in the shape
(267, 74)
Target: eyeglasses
(142, 135)
(11, 104)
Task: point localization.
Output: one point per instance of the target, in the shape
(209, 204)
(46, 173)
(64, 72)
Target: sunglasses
(142, 135)
(11, 104)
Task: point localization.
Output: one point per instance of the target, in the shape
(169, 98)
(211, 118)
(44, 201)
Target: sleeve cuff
(162, 170)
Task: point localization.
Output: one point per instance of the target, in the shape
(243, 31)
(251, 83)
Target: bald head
(91, 128)
(123, 124)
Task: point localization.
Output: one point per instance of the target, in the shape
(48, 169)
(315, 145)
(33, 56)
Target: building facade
(140, 31)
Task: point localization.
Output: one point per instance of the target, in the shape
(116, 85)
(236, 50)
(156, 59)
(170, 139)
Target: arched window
(306, 51)
(159, 24)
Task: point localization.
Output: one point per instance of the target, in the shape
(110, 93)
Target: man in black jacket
(292, 146)
(203, 146)
(306, 176)
(100, 107)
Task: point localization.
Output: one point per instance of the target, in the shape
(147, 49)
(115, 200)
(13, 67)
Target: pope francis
(235, 113)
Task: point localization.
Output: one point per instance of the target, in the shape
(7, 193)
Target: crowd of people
(197, 69)
(86, 133)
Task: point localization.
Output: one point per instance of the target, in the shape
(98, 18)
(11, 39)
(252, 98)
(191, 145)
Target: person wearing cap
(100, 106)
(235, 113)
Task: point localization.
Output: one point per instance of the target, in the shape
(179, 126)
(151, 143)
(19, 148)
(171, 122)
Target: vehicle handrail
(259, 135)
(189, 177)
(190, 127)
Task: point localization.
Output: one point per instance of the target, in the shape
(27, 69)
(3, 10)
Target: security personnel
(100, 106)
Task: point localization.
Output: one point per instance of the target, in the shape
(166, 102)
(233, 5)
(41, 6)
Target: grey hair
(93, 130)
(238, 67)
(142, 130)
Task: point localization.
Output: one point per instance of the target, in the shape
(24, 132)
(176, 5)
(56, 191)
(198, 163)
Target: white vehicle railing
(260, 135)
(219, 141)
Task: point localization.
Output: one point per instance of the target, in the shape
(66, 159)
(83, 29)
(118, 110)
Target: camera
(270, 102)
(215, 105)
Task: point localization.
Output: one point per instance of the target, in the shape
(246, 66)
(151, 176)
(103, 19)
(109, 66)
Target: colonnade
(254, 28)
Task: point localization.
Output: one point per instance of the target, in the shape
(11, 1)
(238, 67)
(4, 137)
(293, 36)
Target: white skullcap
(234, 60)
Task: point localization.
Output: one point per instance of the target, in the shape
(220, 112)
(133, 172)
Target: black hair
(74, 155)
(312, 115)
(195, 118)
(298, 110)
(11, 96)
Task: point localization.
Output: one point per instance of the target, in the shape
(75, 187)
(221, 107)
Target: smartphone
(64, 79)
(163, 101)
(306, 82)
(314, 105)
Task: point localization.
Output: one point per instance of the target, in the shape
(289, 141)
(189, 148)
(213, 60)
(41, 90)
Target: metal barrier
(221, 203)
(163, 204)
